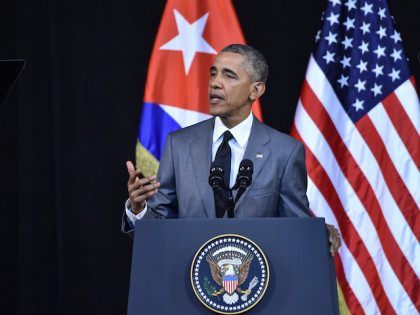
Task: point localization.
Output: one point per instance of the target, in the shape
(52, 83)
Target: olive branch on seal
(208, 287)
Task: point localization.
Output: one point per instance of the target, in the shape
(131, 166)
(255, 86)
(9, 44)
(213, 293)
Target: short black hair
(255, 63)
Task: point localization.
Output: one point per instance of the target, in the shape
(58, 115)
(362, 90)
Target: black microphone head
(246, 169)
(216, 177)
(246, 166)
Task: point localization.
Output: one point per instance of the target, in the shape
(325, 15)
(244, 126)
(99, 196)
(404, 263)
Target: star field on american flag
(361, 53)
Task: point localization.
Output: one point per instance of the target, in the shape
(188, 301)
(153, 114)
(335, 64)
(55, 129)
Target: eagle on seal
(230, 273)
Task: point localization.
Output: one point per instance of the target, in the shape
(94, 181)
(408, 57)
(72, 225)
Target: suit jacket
(278, 185)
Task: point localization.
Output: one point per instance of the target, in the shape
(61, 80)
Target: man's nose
(215, 83)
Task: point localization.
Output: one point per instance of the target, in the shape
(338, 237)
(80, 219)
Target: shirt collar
(240, 132)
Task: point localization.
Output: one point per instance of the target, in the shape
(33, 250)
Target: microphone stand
(218, 185)
(230, 205)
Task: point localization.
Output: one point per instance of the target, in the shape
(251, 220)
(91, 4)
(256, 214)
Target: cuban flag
(190, 35)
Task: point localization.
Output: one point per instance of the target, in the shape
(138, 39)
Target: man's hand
(139, 189)
(334, 239)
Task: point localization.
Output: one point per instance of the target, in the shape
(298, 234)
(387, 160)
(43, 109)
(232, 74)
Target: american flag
(358, 116)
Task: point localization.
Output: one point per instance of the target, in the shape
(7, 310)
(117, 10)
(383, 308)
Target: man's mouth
(215, 98)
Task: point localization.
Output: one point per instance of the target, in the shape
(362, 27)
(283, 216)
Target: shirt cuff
(130, 215)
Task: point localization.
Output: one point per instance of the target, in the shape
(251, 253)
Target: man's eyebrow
(227, 70)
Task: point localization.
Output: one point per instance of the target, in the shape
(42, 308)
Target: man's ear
(257, 89)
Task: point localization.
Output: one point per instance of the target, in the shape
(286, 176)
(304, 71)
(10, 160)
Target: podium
(302, 275)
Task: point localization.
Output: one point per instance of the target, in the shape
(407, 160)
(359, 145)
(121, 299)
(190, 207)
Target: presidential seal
(229, 274)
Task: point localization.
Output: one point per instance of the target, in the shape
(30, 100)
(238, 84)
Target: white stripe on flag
(366, 161)
(407, 95)
(358, 215)
(354, 275)
(397, 151)
(184, 117)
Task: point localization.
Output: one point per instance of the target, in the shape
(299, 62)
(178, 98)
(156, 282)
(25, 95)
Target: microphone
(244, 178)
(217, 183)
(216, 177)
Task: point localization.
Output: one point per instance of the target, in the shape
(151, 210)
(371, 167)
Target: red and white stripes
(365, 179)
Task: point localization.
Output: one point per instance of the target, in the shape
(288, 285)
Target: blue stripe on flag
(155, 125)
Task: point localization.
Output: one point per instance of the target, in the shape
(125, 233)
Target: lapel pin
(259, 156)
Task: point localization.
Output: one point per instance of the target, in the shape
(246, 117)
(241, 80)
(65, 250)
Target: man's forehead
(228, 60)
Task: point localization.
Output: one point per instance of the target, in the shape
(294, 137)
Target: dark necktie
(223, 156)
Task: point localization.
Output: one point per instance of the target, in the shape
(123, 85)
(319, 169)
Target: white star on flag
(396, 37)
(334, 2)
(331, 38)
(381, 32)
(364, 47)
(318, 36)
(189, 39)
(345, 61)
(365, 28)
(362, 66)
(396, 55)
(378, 70)
(376, 89)
(380, 51)
(347, 42)
(360, 85)
(367, 8)
(394, 74)
(343, 80)
(358, 104)
(333, 18)
(382, 13)
(349, 23)
(328, 57)
(350, 4)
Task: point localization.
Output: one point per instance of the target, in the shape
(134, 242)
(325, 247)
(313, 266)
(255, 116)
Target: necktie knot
(227, 136)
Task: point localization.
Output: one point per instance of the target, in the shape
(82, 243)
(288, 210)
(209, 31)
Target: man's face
(230, 87)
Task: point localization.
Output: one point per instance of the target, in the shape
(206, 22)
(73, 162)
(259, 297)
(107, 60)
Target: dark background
(71, 122)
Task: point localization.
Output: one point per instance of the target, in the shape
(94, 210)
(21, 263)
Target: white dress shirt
(237, 144)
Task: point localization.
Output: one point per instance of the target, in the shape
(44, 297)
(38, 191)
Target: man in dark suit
(237, 79)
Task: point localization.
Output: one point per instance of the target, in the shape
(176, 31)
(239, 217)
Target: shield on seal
(230, 283)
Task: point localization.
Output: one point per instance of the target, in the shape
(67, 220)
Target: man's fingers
(136, 184)
(333, 238)
(130, 166)
(143, 190)
(335, 244)
(132, 172)
(145, 196)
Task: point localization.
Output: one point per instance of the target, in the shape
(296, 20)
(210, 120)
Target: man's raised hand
(139, 189)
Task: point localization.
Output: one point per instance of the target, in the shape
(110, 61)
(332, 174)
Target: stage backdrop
(72, 121)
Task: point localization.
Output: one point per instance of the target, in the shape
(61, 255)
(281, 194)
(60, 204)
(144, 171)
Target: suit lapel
(256, 152)
(200, 151)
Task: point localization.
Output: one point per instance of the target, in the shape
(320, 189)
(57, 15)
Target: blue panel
(155, 125)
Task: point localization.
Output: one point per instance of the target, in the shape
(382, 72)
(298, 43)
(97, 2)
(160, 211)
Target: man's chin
(216, 111)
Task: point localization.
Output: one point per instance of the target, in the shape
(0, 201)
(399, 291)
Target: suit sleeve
(165, 203)
(293, 201)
